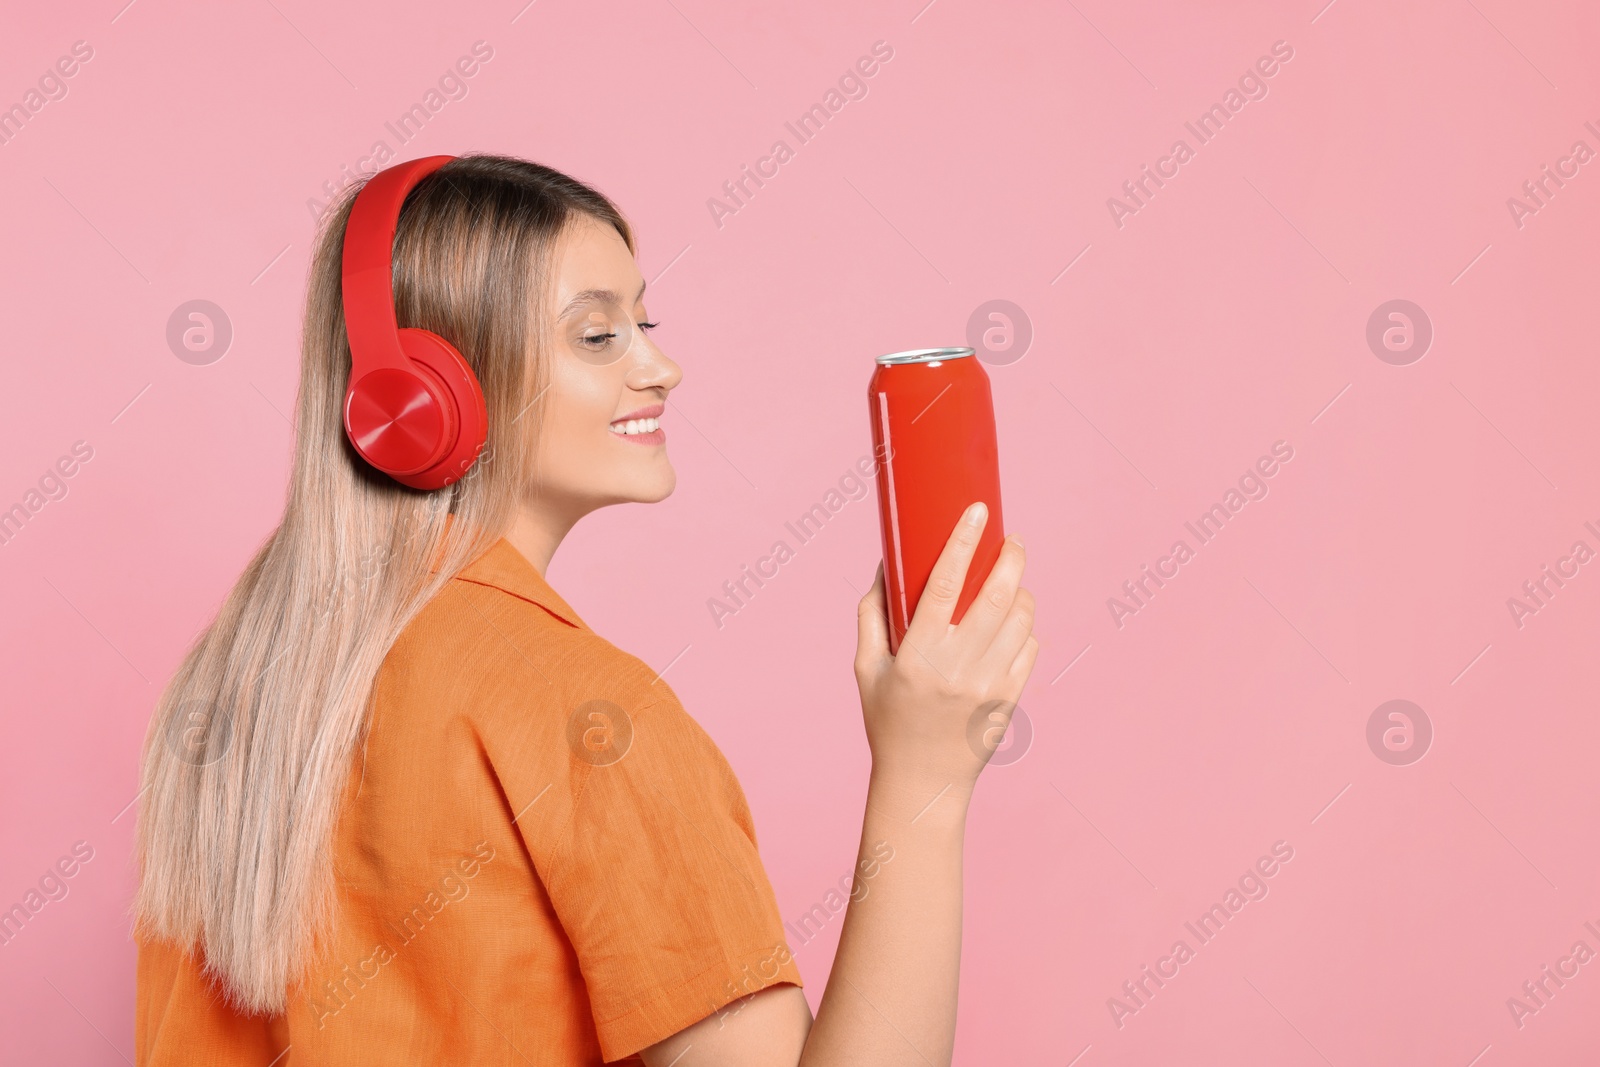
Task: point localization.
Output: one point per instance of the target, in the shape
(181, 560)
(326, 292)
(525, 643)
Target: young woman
(402, 806)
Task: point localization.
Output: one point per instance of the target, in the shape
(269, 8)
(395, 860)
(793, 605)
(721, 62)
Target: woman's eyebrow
(598, 296)
(607, 296)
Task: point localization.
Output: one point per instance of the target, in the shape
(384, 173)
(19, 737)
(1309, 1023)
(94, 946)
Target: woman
(403, 807)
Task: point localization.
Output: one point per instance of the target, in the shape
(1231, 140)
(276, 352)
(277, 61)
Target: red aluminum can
(934, 438)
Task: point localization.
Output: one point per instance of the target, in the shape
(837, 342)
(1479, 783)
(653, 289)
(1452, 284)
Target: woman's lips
(656, 436)
(654, 411)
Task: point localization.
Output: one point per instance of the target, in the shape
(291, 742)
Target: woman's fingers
(931, 619)
(993, 602)
(1011, 635)
(1022, 666)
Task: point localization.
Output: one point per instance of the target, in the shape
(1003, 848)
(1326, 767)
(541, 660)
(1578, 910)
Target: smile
(633, 427)
(642, 427)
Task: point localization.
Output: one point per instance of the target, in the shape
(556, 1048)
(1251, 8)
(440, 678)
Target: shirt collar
(503, 567)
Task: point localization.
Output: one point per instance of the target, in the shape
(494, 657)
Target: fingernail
(976, 512)
(1018, 540)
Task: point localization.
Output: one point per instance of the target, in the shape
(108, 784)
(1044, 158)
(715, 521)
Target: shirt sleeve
(657, 880)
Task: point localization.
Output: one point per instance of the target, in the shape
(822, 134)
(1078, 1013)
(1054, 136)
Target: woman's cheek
(581, 410)
(589, 393)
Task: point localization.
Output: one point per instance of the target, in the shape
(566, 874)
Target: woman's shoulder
(498, 676)
(499, 645)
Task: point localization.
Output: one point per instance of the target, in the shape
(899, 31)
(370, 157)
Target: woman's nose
(653, 368)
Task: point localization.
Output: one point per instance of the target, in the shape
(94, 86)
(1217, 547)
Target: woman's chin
(649, 488)
(660, 489)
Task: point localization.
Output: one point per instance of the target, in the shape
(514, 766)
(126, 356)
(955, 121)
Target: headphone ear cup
(468, 412)
(400, 420)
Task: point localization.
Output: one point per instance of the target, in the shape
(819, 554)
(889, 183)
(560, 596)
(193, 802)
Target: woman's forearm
(891, 996)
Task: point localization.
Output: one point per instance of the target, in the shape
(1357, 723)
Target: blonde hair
(250, 748)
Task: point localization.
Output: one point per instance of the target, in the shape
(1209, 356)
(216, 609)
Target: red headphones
(414, 409)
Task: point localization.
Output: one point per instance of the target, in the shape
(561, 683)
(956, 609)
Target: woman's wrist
(905, 795)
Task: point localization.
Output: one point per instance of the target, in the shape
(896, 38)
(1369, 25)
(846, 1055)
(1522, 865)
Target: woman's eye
(600, 336)
(648, 325)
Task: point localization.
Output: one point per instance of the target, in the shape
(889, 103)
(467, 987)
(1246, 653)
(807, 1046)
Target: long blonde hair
(251, 744)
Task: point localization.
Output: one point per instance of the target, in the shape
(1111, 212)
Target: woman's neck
(537, 532)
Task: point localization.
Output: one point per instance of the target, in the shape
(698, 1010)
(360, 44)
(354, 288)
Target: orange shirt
(542, 859)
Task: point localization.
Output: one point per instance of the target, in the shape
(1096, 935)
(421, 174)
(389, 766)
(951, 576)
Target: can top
(923, 355)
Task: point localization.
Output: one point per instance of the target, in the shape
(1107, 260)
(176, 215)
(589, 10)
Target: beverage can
(933, 434)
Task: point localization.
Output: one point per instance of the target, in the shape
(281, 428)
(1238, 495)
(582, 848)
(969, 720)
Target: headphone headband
(369, 265)
(413, 408)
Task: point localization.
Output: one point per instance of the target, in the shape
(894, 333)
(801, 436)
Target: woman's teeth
(636, 426)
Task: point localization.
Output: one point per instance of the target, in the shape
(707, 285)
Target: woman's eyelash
(606, 338)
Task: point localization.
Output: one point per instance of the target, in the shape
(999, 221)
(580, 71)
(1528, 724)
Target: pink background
(1227, 314)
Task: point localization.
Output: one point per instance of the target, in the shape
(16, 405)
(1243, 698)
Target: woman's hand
(935, 712)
